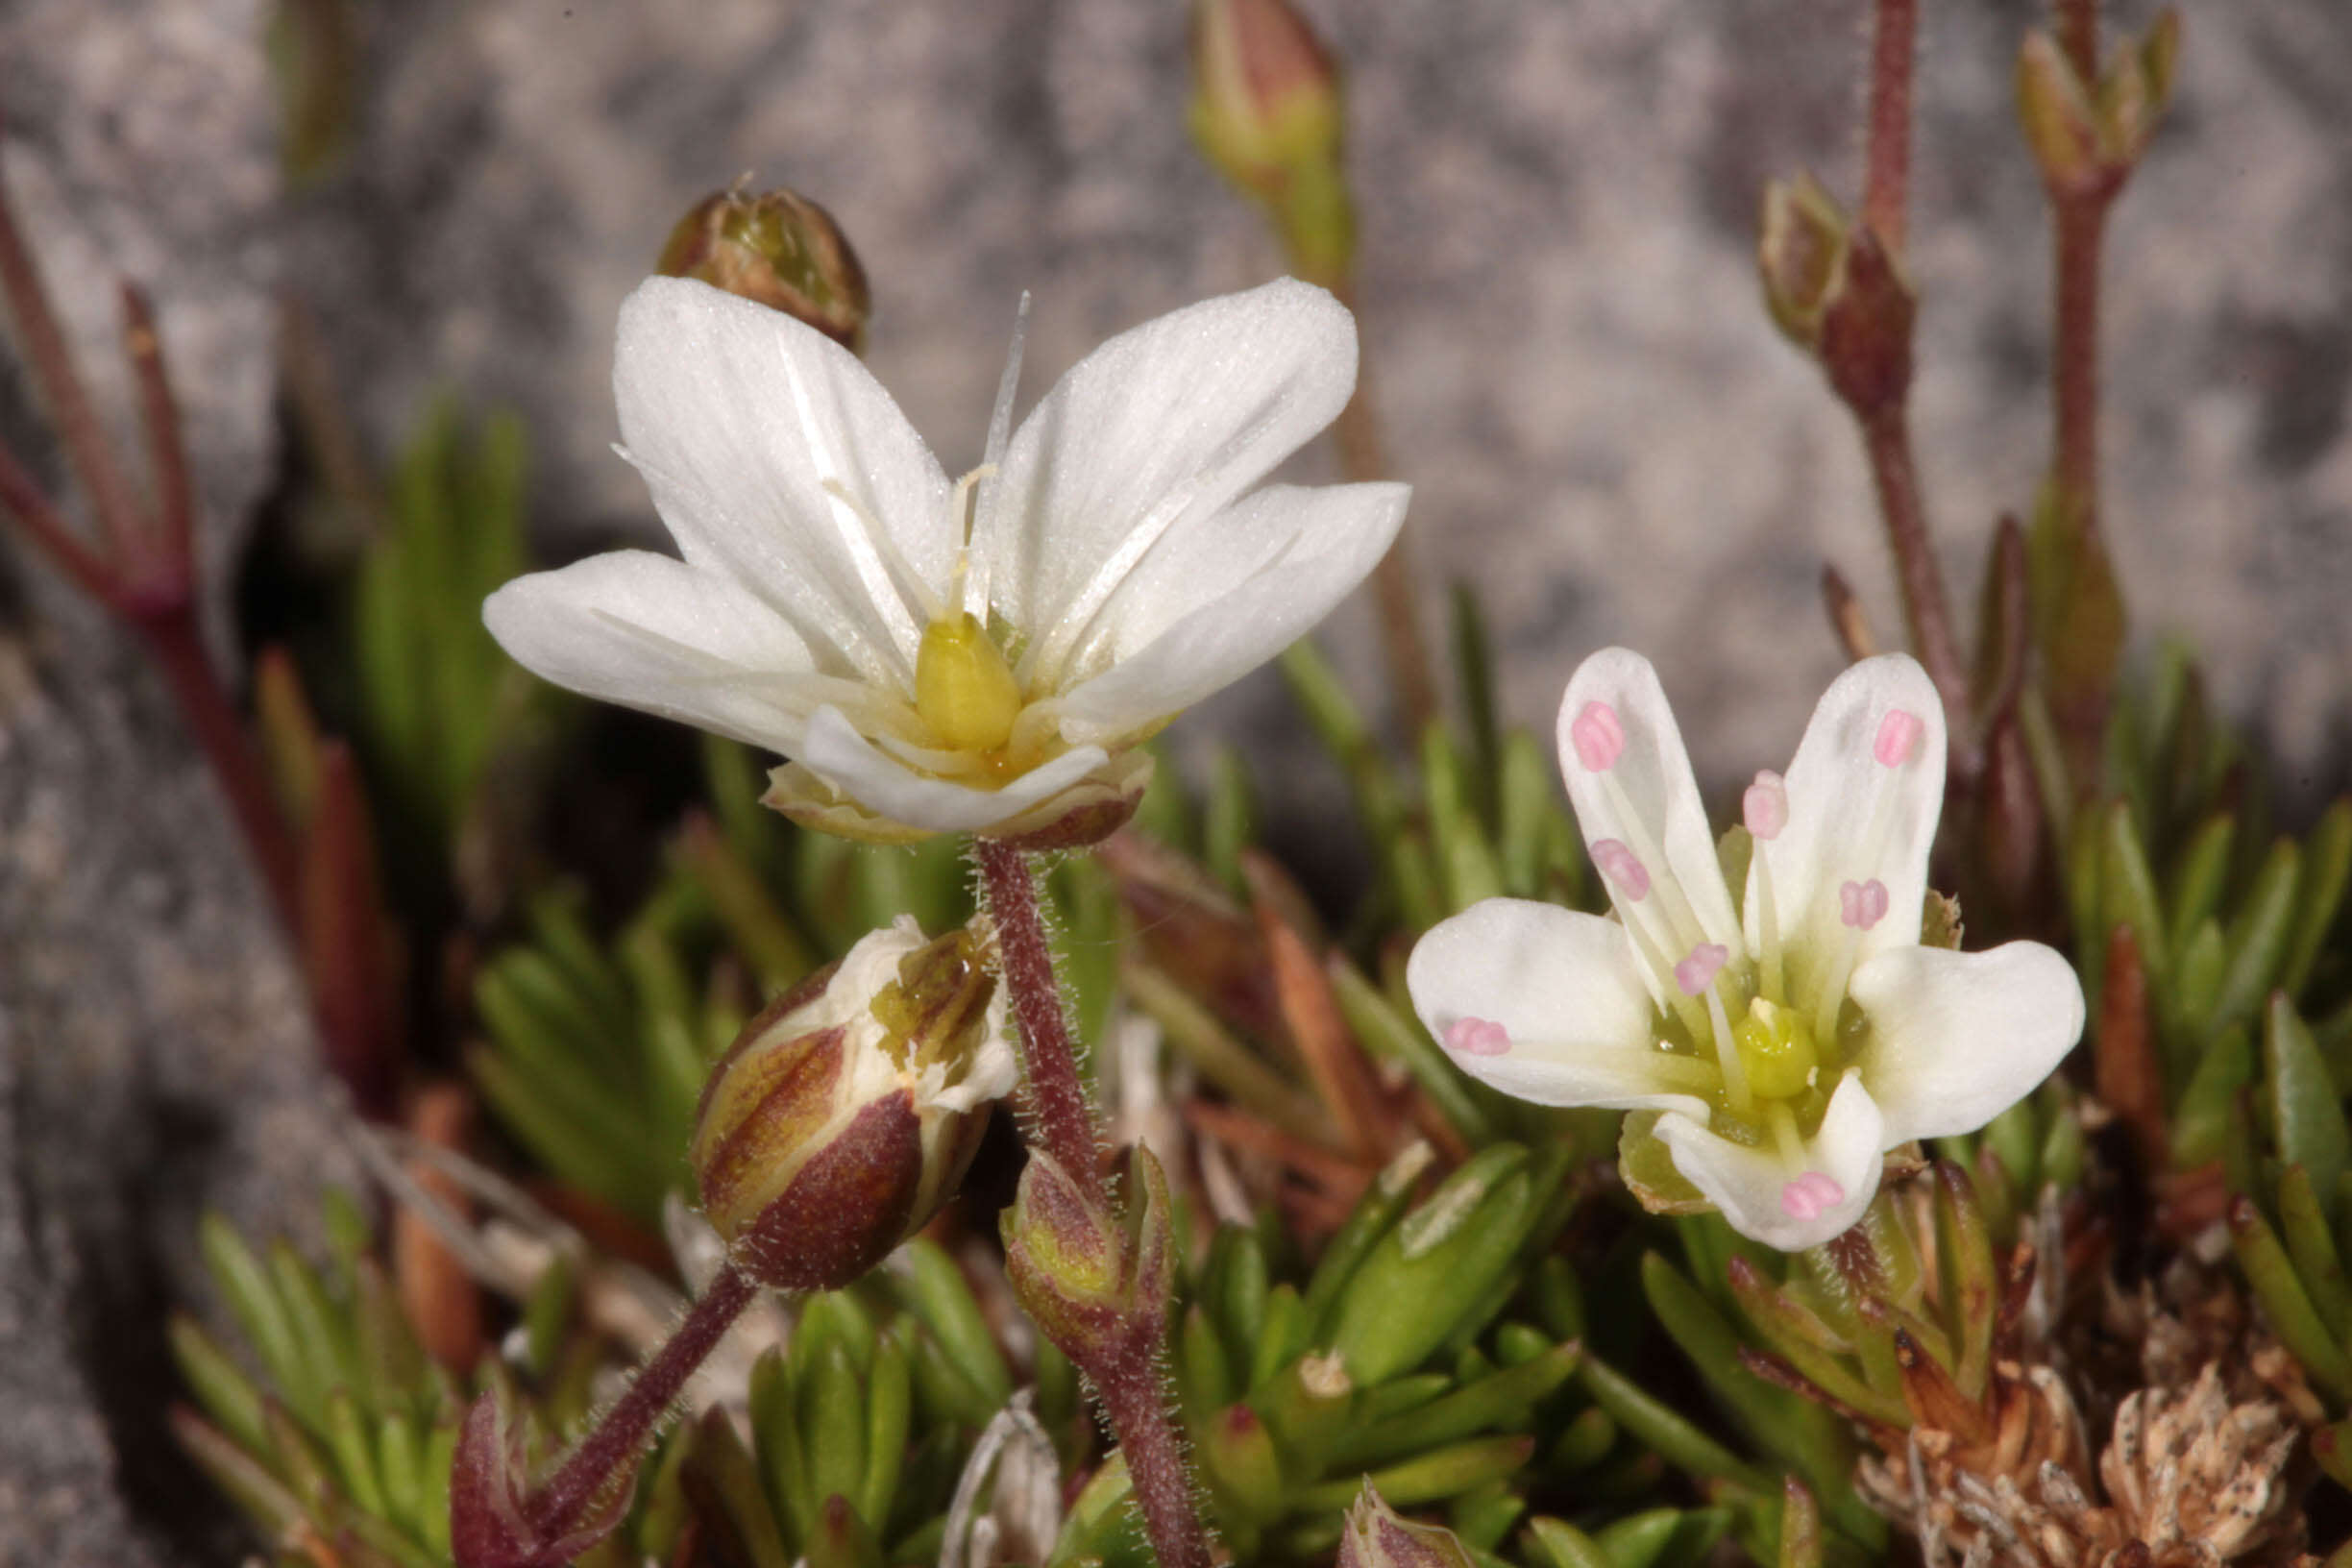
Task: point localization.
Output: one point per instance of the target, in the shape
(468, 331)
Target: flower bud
(1801, 255)
(2137, 88)
(778, 248)
(843, 1115)
(2060, 121)
(1096, 1283)
(1377, 1536)
(1266, 98)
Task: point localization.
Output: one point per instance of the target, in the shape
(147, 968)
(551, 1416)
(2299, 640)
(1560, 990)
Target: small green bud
(1801, 255)
(1097, 1284)
(843, 1114)
(1377, 1536)
(2060, 121)
(778, 249)
(1265, 96)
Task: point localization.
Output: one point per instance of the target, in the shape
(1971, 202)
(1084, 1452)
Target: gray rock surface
(1606, 436)
(155, 1057)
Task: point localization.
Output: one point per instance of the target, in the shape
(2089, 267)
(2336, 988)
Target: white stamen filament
(865, 541)
(1768, 927)
(1726, 1052)
(1661, 971)
(1683, 920)
(1831, 997)
(1782, 1121)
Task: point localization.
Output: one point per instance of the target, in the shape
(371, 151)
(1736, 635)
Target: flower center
(963, 689)
(1775, 1050)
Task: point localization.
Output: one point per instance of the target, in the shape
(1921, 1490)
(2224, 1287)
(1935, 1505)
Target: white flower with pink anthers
(1785, 1046)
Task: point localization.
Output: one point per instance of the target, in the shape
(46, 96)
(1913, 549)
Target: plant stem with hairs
(1121, 1359)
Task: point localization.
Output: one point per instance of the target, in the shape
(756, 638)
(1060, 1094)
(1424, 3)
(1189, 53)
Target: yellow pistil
(963, 689)
(1776, 1049)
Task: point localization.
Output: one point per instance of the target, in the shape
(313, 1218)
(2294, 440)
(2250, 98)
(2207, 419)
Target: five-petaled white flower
(1779, 1050)
(978, 657)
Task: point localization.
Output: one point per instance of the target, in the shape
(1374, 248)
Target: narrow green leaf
(1656, 1423)
(890, 1401)
(1493, 1402)
(1555, 1543)
(1430, 1478)
(2305, 1225)
(2327, 864)
(2306, 1116)
(932, 1287)
(2293, 1317)
(2259, 934)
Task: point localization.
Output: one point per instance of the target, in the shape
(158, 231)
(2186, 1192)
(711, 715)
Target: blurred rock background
(1606, 436)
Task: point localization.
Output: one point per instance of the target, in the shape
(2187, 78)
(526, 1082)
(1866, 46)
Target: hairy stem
(1060, 1121)
(1061, 1114)
(616, 1440)
(1135, 1398)
(1887, 141)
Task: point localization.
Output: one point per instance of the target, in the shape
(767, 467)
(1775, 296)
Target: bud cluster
(2088, 136)
(846, 1113)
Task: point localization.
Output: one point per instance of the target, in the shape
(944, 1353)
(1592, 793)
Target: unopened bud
(1265, 96)
(778, 249)
(2132, 98)
(843, 1115)
(2060, 121)
(1096, 1283)
(1801, 255)
(1864, 343)
(1377, 1536)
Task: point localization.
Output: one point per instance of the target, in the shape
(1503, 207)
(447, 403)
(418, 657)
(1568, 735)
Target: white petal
(1158, 428)
(852, 765)
(655, 634)
(1228, 596)
(738, 415)
(1852, 819)
(1956, 1039)
(1747, 1184)
(1566, 989)
(1651, 777)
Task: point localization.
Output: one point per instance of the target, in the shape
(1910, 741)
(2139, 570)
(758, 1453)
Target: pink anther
(1898, 736)
(1695, 973)
(1862, 904)
(1810, 1196)
(1622, 867)
(1764, 807)
(1597, 737)
(1477, 1037)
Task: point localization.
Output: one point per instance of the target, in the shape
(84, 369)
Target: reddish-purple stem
(43, 341)
(1887, 174)
(1061, 1112)
(1060, 1121)
(175, 495)
(1886, 439)
(2080, 222)
(615, 1441)
(1135, 1398)
(173, 638)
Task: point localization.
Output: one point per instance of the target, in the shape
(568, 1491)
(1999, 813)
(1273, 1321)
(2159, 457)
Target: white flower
(980, 656)
(1783, 1047)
